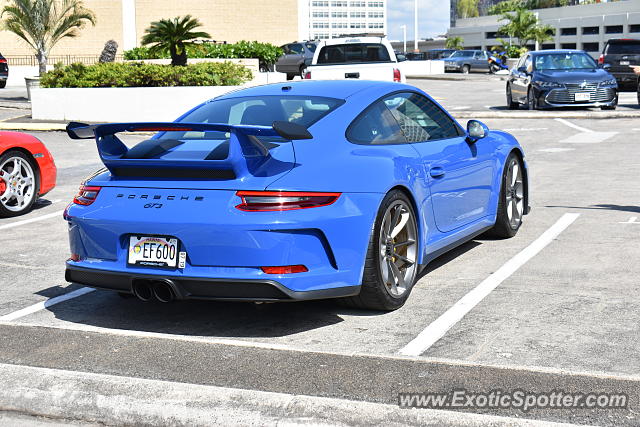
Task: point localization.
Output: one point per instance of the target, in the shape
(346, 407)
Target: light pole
(415, 27)
(404, 37)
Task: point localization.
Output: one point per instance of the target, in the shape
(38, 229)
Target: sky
(433, 18)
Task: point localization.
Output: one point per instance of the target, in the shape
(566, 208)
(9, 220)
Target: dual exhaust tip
(161, 290)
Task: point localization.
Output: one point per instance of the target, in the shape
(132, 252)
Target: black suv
(4, 71)
(618, 56)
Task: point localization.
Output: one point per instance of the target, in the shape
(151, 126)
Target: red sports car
(27, 171)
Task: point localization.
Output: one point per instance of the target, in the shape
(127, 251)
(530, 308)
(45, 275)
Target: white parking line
(523, 129)
(463, 107)
(30, 220)
(632, 220)
(44, 304)
(571, 125)
(436, 330)
(556, 150)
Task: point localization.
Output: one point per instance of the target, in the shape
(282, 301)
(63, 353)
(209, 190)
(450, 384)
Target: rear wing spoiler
(246, 152)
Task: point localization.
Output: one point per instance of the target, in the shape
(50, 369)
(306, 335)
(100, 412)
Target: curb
(456, 78)
(114, 400)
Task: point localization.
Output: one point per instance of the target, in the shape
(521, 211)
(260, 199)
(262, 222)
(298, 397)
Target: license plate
(153, 251)
(624, 62)
(583, 96)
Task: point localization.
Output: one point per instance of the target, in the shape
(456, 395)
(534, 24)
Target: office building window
(547, 46)
(568, 31)
(358, 14)
(376, 25)
(320, 14)
(320, 25)
(357, 4)
(591, 47)
(376, 14)
(339, 4)
(376, 4)
(634, 28)
(358, 25)
(340, 25)
(339, 14)
(568, 46)
(613, 29)
(320, 4)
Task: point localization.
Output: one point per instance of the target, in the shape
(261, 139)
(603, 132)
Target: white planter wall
(130, 104)
(421, 68)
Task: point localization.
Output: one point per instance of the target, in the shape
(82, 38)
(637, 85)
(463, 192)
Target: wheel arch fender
(420, 218)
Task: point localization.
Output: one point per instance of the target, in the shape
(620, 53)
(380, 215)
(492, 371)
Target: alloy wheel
(398, 248)
(17, 184)
(514, 193)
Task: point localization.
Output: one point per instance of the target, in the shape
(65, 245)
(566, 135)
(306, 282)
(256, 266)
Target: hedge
(265, 52)
(136, 74)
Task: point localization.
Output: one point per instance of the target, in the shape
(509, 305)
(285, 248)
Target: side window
(419, 118)
(285, 49)
(375, 126)
(528, 64)
(296, 49)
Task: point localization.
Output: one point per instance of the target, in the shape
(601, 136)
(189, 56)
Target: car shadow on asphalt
(105, 309)
(611, 207)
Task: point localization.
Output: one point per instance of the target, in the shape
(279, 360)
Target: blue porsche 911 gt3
(296, 191)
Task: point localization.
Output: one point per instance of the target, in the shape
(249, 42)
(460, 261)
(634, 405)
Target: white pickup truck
(366, 58)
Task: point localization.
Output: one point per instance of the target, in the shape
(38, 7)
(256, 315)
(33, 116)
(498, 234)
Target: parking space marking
(44, 304)
(463, 107)
(556, 150)
(436, 330)
(30, 220)
(571, 125)
(523, 129)
(632, 220)
(589, 137)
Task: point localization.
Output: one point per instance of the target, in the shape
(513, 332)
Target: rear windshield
(311, 46)
(353, 53)
(260, 111)
(621, 48)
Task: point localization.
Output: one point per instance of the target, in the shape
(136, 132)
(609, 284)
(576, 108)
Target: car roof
(541, 52)
(620, 41)
(354, 39)
(339, 89)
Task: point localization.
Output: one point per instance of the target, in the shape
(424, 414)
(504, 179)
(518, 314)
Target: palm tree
(173, 35)
(456, 43)
(43, 23)
(468, 8)
(521, 24)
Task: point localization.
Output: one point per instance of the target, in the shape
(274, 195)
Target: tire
(302, 70)
(608, 108)
(511, 205)
(510, 104)
(18, 190)
(381, 289)
(532, 103)
(494, 69)
(290, 76)
(3, 84)
(465, 69)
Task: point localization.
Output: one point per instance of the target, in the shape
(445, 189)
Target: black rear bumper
(204, 288)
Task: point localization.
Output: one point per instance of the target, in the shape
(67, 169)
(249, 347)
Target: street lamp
(415, 27)
(404, 37)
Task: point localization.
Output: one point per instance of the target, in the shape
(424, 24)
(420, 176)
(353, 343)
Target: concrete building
(586, 26)
(325, 19)
(124, 21)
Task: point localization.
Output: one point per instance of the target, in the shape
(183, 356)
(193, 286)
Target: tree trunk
(42, 62)
(178, 58)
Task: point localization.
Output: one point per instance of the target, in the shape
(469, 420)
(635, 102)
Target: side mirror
(606, 67)
(522, 70)
(476, 130)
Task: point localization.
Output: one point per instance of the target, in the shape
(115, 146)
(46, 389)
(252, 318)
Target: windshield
(564, 61)
(461, 54)
(353, 53)
(311, 46)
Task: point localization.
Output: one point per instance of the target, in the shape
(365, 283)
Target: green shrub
(265, 52)
(138, 74)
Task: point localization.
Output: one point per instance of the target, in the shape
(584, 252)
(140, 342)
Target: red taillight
(261, 201)
(601, 60)
(396, 75)
(3, 61)
(307, 75)
(86, 195)
(285, 269)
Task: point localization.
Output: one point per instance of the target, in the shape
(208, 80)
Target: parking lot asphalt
(565, 318)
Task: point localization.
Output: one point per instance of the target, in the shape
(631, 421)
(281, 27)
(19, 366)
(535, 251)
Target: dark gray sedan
(560, 78)
(297, 56)
(466, 61)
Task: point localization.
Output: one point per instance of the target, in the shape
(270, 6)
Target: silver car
(297, 56)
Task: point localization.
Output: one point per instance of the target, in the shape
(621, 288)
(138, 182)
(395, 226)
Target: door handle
(351, 75)
(436, 172)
